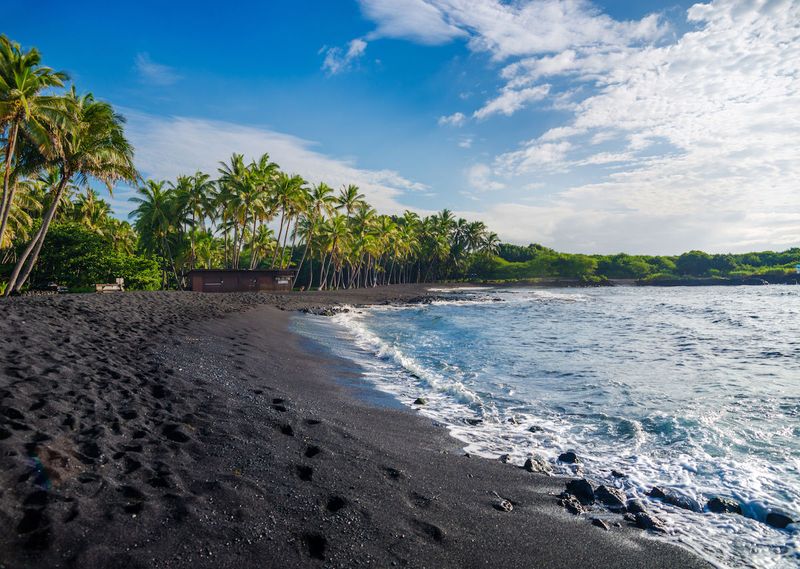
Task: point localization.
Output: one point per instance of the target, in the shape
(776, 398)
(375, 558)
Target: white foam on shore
(451, 400)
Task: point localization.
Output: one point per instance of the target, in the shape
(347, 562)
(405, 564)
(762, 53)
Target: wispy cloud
(417, 20)
(511, 100)
(338, 60)
(155, 73)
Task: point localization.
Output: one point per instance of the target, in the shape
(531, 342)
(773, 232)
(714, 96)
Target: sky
(597, 127)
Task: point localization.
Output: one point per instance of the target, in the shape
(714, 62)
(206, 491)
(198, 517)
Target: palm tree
(92, 144)
(155, 220)
(262, 202)
(320, 204)
(24, 109)
(289, 194)
(349, 199)
(91, 211)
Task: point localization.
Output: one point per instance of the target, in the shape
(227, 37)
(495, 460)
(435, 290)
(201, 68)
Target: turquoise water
(695, 389)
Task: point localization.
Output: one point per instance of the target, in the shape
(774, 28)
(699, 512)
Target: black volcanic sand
(190, 430)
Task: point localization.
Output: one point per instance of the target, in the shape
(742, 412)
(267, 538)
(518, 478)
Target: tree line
(56, 142)
(249, 215)
(515, 262)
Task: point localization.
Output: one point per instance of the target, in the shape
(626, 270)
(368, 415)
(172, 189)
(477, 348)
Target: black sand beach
(187, 430)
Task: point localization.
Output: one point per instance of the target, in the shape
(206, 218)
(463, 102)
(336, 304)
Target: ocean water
(696, 389)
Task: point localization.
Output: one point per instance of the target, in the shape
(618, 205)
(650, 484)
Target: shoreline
(181, 455)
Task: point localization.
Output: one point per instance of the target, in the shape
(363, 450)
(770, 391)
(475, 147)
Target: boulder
(505, 458)
(420, 401)
(582, 490)
(569, 457)
(635, 506)
(673, 499)
(646, 521)
(722, 505)
(778, 520)
(613, 498)
(536, 463)
(535, 429)
(618, 474)
(571, 504)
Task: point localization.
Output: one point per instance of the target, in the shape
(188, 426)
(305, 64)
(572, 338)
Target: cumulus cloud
(154, 73)
(338, 60)
(169, 146)
(456, 119)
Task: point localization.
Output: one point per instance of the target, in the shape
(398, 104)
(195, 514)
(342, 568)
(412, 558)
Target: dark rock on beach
(723, 505)
(420, 401)
(597, 522)
(674, 499)
(611, 497)
(569, 457)
(536, 463)
(649, 522)
(635, 506)
(779, 520)
(582, 490)
(571, 504)
(535, 429)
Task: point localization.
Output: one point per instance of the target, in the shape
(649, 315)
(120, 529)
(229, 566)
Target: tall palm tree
(289, 192)
(320, 204)
(155, 220)
(263, 204)
(24, 109)
(92, 144)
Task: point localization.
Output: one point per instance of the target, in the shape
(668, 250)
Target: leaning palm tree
(24, 109)
(24, 207)
(92, 145)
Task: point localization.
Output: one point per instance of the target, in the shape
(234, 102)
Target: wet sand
(189, 430)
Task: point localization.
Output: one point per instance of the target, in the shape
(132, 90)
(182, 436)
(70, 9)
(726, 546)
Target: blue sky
(596, 127)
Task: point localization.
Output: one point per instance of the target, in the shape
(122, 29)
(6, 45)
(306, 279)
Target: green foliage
(534, 261)
(75, 256)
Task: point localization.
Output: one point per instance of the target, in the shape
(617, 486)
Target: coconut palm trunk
(8, 192)
(21, 272)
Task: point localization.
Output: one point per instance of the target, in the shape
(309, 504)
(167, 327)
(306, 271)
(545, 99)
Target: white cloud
(533, 157)
(465, 142)
(416, 20)
(699, 136)
(155, 73)
(456, 119)
(169, 146)
(337, 61)
(479, 178)
(511, 100)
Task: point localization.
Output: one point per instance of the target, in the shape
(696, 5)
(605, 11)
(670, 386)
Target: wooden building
(230, 280)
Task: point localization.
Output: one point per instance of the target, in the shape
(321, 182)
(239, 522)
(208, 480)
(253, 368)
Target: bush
(76, 257)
